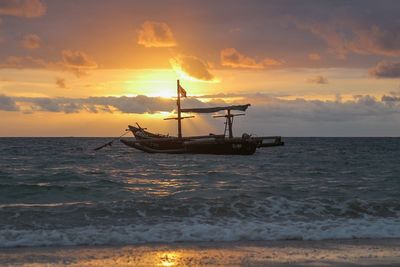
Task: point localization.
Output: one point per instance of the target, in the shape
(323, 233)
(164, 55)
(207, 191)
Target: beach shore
(356, 252)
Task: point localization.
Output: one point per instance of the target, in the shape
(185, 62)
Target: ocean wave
(196, 230)
(336, 188)
(161, 210)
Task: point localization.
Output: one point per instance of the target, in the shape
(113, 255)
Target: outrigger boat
(223, 144)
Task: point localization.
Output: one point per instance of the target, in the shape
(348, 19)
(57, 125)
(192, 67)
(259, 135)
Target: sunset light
(199, 133)
(218, 64)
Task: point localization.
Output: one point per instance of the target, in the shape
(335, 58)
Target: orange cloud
(192, 67)
(60, 82)
(232, 58)
(156, 34)
(78, 62)
(31, 41)
(22, 8)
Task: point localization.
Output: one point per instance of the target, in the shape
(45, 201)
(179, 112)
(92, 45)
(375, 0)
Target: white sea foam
(194, 230)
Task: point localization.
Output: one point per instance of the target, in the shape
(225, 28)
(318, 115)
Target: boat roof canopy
(215, 109)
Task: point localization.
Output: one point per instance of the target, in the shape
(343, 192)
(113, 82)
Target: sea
(59, 191)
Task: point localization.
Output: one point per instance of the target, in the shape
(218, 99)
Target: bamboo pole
(178, 102)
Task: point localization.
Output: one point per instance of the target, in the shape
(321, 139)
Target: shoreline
(347, 252)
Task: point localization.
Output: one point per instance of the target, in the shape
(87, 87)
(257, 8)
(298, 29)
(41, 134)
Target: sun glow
(169, 259)
(154, 88)
(163, 93)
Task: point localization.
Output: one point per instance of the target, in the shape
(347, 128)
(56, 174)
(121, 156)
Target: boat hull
(220, 147)
(211, 144)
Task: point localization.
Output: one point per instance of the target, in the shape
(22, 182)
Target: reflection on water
(169, 259)
(278, 253)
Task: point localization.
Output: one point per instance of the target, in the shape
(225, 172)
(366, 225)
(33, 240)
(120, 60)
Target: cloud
(270, 62)
(77, 59)
(230, 57)
(22, 8)
(376, 41)
(327, 32)
(364, 115)
(47, 104)
(193, 67)
(318, 80)
(314, 56)
(31, 41)
(360, 107)
(78, 62)
(138, 104)
(23, 62)
(391, 98)
(386, 69)
(7, 104)
(156, 34)
(60, 82)
(344, 36)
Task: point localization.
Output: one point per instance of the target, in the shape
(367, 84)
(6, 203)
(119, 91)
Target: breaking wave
(195, 230)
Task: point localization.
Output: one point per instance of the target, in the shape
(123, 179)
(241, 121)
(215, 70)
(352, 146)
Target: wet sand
(364, 252)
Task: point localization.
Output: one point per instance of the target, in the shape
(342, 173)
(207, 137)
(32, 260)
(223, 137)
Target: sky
(308, 68)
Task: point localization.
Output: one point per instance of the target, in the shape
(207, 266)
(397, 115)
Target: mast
(178, 102)
(229, 119)
(179, 91)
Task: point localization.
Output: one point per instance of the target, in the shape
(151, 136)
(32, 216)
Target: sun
(163, 93)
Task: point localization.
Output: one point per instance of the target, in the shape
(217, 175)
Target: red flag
(182, 91)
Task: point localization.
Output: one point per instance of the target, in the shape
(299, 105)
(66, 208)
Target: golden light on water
(169, 259)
